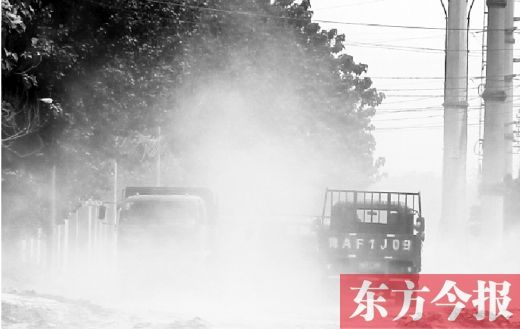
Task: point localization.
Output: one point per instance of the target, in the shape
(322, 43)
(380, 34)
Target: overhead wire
(416, 127)
(246, 13)
(375, 119)
(420, 99)
(515, 76)
(270, 16)
(352, 44)
(387, 46)
(436, 89)
(438, 115)
(415, 110)
(439, 111)
(358, 44)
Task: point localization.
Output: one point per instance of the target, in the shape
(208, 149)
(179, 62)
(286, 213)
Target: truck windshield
(181, 212)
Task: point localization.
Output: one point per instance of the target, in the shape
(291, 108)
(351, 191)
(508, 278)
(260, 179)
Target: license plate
(382, 244)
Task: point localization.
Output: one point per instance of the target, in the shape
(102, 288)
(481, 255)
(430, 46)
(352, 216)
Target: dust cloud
(245, 130)
(474, 249)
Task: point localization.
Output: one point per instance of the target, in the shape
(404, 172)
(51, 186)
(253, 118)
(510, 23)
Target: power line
(473, 53)
(434, 89)
(412, 95)
(419, 109)
(425, 98)
(417, 127)
(410, 78)
(375, 120)
(420, 97)
(431, 78)
(410, 109)
(285, 18)
(515, 98)
(353, 44)
(435, 115)
(246, 13)
(422, 89)
(416, 95)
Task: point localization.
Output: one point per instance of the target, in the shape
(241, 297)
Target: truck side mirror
(102, 212)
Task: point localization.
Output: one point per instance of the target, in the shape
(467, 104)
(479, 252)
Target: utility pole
(509, 120)
(455, 118)
(493, 162)
(508, 85)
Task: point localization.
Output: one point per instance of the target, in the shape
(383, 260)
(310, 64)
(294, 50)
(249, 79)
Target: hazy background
(266, 112)
(408, 66)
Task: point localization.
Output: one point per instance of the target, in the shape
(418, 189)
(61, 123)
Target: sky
(410, 141)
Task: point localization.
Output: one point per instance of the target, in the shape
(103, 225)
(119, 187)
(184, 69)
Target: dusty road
(30, 310)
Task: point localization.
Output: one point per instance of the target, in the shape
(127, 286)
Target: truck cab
(371, 232)
(165, 220)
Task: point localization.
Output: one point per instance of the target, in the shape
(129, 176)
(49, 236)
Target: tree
(108, 74)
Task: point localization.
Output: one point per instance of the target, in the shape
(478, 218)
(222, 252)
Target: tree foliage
(89, 82)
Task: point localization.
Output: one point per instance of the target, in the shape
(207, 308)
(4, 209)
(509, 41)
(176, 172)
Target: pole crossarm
(494, 95)
(496, 3)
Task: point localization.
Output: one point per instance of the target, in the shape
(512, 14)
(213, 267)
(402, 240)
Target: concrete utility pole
(509, 120)
(509, 45)
(455, 117)
(493, 162)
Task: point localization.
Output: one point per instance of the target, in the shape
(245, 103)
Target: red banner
(430, 301)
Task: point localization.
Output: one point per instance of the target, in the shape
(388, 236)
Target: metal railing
(80, 240)
(372, 200)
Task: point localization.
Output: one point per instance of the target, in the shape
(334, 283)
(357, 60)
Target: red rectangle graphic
(430, 301)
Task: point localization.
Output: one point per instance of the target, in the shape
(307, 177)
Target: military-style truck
(371, 232)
